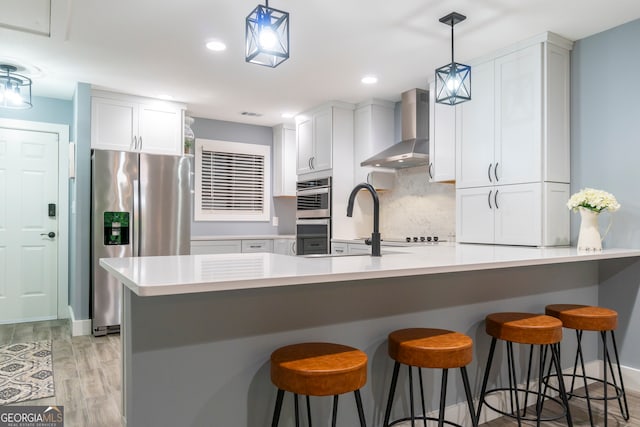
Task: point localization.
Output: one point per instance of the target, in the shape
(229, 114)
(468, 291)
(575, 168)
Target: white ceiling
(151, 47)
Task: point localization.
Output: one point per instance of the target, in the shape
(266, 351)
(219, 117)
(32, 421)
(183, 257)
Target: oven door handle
(321, 190)
(325, 221)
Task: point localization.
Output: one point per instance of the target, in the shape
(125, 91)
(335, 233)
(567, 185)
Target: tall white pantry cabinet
(512, 145)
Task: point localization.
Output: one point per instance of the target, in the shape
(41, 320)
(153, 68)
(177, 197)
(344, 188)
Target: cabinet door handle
(495, 172)
(132, 146)
(309, 162)
(312, 165)
(293, 247)
(495, 200)
(255, 246)
(430, 170)
(140, 139)
(368, 178)
(489, 172)
(489, 199)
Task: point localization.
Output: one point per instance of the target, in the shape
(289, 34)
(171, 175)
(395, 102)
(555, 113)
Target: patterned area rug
(26, 372)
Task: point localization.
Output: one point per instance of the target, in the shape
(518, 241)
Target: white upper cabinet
(315, 140)
(122, 122)
(516, 127)
(442, 140)
(373, 132)
(284, 161)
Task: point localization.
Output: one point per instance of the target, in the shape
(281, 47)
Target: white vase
(589, 238)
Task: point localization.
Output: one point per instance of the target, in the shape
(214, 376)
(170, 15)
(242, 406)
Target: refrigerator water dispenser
(116, 228)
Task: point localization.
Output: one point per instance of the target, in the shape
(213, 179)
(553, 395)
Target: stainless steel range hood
(413, 150)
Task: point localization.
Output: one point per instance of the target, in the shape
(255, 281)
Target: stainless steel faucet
(375, 236)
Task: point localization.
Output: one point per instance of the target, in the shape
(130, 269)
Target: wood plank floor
(86, 372)
(87, 380)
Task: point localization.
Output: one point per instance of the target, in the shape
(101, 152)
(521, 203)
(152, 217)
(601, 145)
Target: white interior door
(28, 256)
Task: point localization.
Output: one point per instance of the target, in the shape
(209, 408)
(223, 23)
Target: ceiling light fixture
(453, 81)
(369, 80)
(267, 36)
(216, 46)
(15, 89)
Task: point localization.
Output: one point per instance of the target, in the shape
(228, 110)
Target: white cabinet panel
(113, 124)
(339, 248)
(160, 129)
(304, 135)
(475, 138)
(442, 140)
(359, 248)
(373, 132)
(284, 246)
(474, 215)
(284, 161)
(518, 214)
(518, 116)
(323, 140)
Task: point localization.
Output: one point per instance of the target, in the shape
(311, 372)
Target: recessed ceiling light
(287, 115)
(216, 46)
(165, 97)
(369, 80)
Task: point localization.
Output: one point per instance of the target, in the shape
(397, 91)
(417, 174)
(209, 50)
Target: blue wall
(605, 151)
(283, 208)
(47, 110)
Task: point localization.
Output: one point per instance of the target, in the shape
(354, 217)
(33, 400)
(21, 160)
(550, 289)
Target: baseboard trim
(79, 327)
(459, 412)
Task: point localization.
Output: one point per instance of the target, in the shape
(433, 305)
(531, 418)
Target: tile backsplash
(414, 207)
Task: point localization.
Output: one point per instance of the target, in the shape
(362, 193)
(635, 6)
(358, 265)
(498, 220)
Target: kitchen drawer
(339, 248)
(261, 245)
(199, 247)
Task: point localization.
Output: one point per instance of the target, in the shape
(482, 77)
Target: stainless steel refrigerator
(140, 206)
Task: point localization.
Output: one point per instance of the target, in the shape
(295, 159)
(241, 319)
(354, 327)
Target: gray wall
(283, 208)
(605, 150)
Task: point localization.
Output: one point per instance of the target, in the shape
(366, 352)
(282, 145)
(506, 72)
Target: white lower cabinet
(522, 214)
(359, 248)
(339, 248)
(199, 247)
(261, 245)
(284, 246)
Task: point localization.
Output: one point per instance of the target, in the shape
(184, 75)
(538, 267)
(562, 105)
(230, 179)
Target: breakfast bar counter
(197, 331)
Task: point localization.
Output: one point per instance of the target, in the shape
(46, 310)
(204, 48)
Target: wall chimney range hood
(413, 150)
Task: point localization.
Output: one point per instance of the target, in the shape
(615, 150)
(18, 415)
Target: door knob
(50, 234)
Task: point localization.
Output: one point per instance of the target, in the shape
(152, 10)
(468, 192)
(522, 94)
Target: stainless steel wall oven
(313, 216)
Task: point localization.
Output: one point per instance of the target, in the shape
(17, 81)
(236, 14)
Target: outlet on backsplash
(413, 207)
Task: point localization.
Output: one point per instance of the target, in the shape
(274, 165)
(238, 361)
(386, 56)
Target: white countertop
(172, 275)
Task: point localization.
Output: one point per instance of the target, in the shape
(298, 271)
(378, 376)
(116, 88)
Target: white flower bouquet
(593, 200)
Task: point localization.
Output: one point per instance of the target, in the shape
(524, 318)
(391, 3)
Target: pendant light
(453, 81)
(267, 36)
(15, 89)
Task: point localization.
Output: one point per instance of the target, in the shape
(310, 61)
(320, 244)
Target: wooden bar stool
(589, 318)
(533, 329)
(429, 348)
(318, 369)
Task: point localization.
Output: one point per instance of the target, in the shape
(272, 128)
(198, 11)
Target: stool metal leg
(513, 382)
(604, 384)
(308, 411)
(360, 410)
(526, 390)
(580, 356)
(413, 413)
(424, 411)
(625, 412)
(485, 380)
(443, 397)
(334, 415)
(278, 407)
(555, 358)
(467, 392)
(392, 391)
(295, 400)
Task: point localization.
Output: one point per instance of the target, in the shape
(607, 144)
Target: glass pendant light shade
(267, 36)
(15, 89)
(453, 81)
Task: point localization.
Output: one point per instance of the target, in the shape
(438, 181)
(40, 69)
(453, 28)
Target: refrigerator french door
(140, 206)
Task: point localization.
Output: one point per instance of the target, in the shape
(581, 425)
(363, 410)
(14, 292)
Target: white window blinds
(232, 181)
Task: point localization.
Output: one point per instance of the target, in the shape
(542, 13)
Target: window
(232, 181)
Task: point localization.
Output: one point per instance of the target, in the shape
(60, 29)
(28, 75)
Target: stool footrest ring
(422, 417)
(618, 394)
(534, 398)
